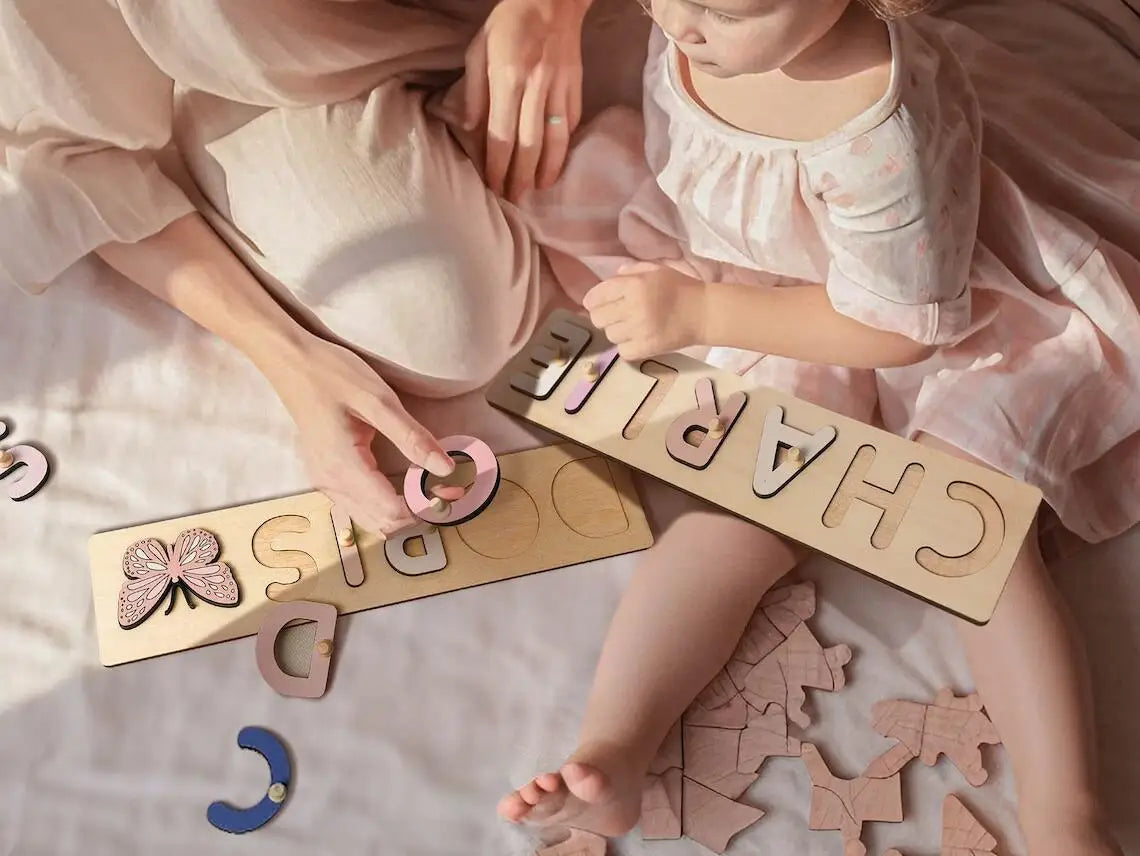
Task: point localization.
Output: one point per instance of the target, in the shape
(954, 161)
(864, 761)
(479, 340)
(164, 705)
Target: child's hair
(890, 10)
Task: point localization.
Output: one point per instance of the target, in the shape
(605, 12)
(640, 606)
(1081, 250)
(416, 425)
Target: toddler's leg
(676, 626)
(1030, 669)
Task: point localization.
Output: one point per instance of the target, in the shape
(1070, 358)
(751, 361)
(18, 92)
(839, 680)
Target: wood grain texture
(912, 516)
(576, 507)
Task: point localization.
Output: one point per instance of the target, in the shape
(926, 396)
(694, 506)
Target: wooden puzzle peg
(796, 456)
(7, 459)
(269, 746)
(314, 684)
(474, 500)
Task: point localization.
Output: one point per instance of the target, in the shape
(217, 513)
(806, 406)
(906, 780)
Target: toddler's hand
(648, 309)
(339, 404)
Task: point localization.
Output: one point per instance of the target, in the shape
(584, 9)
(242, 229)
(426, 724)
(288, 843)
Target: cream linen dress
(300, 129)
(987, 205)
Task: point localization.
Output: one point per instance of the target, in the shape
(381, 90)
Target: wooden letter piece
(24, 469)
(595, 371)
(769, 479)
(846, 804)
(346, 543)
(477, 497)
(312, 686)
(225, 817)
(951, 726)
(434, 557)
(549, 360)
(715, 423)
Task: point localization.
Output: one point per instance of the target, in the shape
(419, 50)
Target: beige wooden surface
(556, 506)
(849, 502)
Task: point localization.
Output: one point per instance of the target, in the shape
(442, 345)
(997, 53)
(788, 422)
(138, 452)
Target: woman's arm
(336, 399)
(188, 266)
(799, 322)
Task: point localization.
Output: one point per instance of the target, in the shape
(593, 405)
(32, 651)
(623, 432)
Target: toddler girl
(953, 232)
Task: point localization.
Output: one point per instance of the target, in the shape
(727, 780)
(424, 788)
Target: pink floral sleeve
(897, 209)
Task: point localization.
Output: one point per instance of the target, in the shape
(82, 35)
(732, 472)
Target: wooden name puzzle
(552, 507)
(936, 526)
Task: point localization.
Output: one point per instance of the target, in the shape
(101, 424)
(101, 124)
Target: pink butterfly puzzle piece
(154, 569)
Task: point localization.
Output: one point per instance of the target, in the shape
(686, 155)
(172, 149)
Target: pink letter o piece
(473, 501)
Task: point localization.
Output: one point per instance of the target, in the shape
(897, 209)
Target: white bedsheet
(438, 706)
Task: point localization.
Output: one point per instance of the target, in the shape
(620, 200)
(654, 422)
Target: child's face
(725, 38)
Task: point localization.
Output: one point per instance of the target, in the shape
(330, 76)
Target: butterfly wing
(195, 548)
(214, 584)
(144, 558)
(140, 596)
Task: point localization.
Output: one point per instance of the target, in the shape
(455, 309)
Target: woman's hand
(339, 405)
(524, 79)
(648, 309)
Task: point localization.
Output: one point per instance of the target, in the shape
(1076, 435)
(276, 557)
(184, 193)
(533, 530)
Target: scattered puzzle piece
(951, 726)
(780, 612)
(718, 693)
(962, 834)
(711, 819)
(661, 806)
(766, 736)
(787, 607)
(669, 755)
(799, 662)
(732, 715)
(846, 804)
(580, 843)
(711, 758)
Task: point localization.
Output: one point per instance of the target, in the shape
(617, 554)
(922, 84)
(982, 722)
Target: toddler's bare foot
(600, 794)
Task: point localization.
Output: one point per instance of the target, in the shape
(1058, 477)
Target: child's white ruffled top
(980, 205)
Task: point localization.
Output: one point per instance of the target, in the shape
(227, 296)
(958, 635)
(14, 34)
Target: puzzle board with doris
(554, 506)
(940, 528)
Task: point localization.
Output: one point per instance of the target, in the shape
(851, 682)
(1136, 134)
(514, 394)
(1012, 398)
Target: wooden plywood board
(556, 506)
(931, 524)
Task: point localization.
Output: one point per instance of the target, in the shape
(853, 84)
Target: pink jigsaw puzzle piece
(712, 819)
(711, 758)
(580, 843)
(962, 833)
(846, 804)
(732, 715)
(787, 607)
(661, 806)
(765, 737)
(669, 754)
